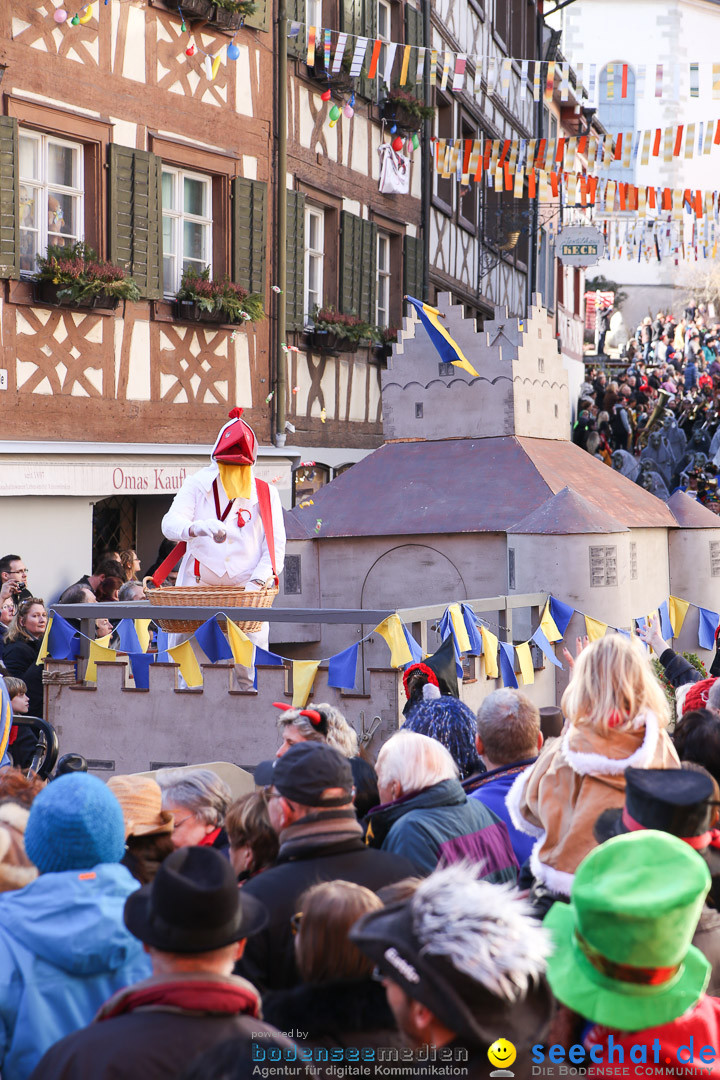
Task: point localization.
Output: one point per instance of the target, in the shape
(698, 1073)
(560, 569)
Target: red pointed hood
(236, 444)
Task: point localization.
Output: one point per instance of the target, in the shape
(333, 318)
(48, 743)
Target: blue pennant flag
(446, 629)
(561, 614)
(470, 620)
(707, 627)
(128, 640)
(213, 642)
(625, 633)
(507, 664)
(545, 647)
(163, 656)
(665, 625)
(342, 668)
(270, 659)
(415, 650)
(63, 639)
(140, 663)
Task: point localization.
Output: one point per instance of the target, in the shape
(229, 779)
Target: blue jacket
(441, 825)
(63, 951)
(491, 789)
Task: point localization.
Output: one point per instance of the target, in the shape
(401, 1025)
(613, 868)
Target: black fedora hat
(675, 801)
(193, 905)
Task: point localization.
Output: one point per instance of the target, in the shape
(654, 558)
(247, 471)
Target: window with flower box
(187, 224)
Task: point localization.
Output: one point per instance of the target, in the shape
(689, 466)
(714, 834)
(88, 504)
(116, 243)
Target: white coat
(244, 555)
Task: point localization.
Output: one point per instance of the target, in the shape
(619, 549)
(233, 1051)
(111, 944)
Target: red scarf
(191, 995)
(209, 839)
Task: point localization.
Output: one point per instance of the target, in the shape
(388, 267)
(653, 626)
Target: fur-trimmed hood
(575, 778)
(339, 1010)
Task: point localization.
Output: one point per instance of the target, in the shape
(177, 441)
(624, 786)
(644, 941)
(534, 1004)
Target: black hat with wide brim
(193, 905)
(443, 664)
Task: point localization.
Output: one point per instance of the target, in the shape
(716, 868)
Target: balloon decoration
(190, 51)
(397, 143)
(60, 15)
(233, 52)
(86, 15)
(326, 94)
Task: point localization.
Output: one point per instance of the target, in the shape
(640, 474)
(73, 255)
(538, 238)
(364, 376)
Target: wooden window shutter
(414, 36)
(9, 198)
(260, 18)
(249, 233)
(295, 283)
(358, 257)
(136, 216)
(413, 268)
(359, 17)
(297, 46)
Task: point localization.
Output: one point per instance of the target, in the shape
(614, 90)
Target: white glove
(210, 527)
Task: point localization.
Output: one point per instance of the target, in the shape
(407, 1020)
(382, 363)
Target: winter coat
(441, 825)
(156, 1028)
(491, 790)
(19, 658)
(575, 778)
(336, 1015)
(690, 377)
(701, 1024)
(63, 951)
(678, 670)
(311, 851)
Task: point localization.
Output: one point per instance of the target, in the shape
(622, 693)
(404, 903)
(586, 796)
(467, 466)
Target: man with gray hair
(463, 966)
(508, 741)
(199, 800)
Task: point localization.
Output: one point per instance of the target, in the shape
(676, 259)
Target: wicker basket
(217, 596)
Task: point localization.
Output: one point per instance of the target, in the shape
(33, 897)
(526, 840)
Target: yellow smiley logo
(502, 1053)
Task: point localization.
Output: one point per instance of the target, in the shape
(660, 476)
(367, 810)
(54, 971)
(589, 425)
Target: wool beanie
(75, 823)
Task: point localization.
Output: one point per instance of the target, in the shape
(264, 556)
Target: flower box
(46, 292)
(338, 84)
(228, 20)
(190, 311)
(194, 9)
(395, 112)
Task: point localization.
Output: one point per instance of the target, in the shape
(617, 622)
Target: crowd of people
(509, 889)
(653, 415)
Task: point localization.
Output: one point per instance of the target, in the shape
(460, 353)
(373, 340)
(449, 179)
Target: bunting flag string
(471, 636)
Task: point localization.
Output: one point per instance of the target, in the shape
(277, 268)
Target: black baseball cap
(305, 771)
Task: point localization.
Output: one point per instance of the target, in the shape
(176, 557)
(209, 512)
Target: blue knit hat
(75, 823)
(449, 721)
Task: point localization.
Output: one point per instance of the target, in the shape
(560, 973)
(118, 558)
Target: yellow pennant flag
(98, 651)
(548, 626)
(594, 628)
(677, 610)
(405, 65)
(526, 664)
(303, 676)
(142, 629)
(490, 652)
(242, 647)
(458, 624)
(391, 629)
(189, 667)
(44, 645)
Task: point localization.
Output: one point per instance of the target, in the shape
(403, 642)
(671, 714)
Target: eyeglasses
(295, 922)
(182, 821)
(377, 975)
(20, 570)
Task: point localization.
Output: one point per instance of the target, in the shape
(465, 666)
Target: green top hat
(623, 955)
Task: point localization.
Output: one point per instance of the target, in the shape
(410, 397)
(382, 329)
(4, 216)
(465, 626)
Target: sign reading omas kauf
(580, 245)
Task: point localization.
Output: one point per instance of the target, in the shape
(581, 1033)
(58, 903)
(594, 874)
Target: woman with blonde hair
(130, 564)
(616, 715)
(338, 1004)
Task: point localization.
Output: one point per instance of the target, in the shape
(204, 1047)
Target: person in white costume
(217, 513)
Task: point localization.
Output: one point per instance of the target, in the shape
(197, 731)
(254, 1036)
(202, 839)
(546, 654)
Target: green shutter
(359, 17)
(358, 257)
(249, 233)
(413, 268)
(296, 13)
(414, 36)
(136, 216)
(260, 19)
(295, 281)
(9, 199)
